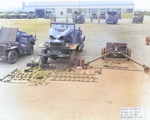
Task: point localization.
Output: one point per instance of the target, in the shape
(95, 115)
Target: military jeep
(14, 42)
(138, 19)
(65, 41)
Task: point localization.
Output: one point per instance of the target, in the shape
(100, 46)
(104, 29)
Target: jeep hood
(55, 33)
(8, 34)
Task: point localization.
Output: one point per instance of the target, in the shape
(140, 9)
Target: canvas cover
(8, 34)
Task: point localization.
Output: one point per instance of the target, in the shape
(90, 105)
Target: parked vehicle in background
(102, 15)
(65, 41)
(32, 15)
(14, 42)
(111, 17)
(78, 17)
(21, 14)
(2, 14)
(94, 14)
(138, 18)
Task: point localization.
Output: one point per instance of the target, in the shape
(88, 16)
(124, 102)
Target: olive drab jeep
(13, 42)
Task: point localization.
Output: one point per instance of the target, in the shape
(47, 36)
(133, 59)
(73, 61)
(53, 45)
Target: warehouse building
(65, 9)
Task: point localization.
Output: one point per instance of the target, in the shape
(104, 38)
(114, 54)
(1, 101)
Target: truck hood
(8, 34)
(57, 34)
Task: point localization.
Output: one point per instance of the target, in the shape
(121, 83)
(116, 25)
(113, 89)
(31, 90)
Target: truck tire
(72, 58)
(12, 56)
(129, 53)
(30, 49)
(44, 59)
(103, 52)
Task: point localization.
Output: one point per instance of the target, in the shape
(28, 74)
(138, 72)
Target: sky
(17, 4)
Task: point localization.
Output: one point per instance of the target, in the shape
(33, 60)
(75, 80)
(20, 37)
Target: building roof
(78, 3)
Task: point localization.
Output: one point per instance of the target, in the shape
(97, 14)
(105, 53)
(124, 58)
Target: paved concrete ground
(80, 101)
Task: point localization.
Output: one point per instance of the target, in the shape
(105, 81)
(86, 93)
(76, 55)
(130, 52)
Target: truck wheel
(44, 59)
(72, 58)
(103, 52)
(30, 49)
(12, 56)
(129, 53)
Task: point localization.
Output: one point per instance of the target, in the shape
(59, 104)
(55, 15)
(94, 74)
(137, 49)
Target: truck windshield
(62, 26)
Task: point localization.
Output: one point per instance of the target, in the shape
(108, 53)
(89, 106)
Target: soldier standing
(74, 19)
(91, 18)
(98, 19)
(54, 18)
(66, 20)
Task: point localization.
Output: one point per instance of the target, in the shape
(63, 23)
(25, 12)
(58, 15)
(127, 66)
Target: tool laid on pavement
(38, 74)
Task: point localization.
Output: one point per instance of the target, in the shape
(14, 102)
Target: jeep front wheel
(30, 49)
(12, 56)
(44, 59)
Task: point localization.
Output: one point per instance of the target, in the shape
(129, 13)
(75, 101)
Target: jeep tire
(44, 59)
(30, 49)
(12, 56)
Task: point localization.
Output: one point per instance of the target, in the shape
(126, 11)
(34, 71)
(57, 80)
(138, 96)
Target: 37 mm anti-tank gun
(117, 50)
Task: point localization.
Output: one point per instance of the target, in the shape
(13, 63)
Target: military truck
(13, 42)
(111, 17)
(65, 41)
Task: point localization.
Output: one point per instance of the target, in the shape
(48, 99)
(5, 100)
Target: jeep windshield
(62, 26)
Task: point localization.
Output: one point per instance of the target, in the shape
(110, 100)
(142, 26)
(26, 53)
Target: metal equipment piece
(39, 75)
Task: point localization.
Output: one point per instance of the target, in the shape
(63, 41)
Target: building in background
(65, 9)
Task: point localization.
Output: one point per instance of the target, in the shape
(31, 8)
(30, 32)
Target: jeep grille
(56, 46)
